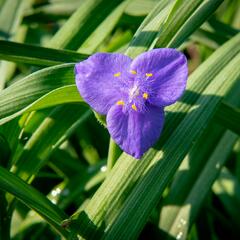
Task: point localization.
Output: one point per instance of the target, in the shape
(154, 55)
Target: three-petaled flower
(133, 93)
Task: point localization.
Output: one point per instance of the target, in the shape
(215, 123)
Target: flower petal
(162, 74)
(133, 131)
(96, 81)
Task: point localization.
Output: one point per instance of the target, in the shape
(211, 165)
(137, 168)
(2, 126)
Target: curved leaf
(44, 88)
(35, 55)
(33, 199)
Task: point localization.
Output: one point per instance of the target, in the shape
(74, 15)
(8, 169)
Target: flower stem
(113, 153)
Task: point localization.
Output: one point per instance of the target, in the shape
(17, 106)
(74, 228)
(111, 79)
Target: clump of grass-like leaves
(61, 176)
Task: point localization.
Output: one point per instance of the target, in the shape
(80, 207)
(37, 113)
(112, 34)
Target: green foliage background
(61, 177)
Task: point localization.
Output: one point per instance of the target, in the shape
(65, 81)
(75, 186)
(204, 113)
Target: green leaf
(193, 202)
(213, 34)
(169, 25)
(11, 13)
(227, 188)
(22, 95)
(192, 166)
(82, 23)
(85, 182)
(187, 174)
(51, 11)
(34, 55)
(140, 7)
(10, 17)
(229, 117)
(4, 150)
(103, 30)
(33, 199)
(46, 139)
(184, 19)
(148, 32)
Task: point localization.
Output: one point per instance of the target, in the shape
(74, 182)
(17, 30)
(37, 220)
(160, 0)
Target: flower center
(134, 92)
(136, 99)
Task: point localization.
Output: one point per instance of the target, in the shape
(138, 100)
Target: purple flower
(133, 93)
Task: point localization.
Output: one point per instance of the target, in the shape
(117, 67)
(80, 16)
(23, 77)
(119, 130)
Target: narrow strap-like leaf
(34, 199)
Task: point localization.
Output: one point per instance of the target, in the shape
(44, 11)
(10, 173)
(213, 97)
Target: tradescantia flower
(133, 93)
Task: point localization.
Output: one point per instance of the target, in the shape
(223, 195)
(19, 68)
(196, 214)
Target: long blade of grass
(17, 97)
(184, 19)
(227, 188)
(213, 34)
(46, 139)
(148, 32)
(82, 23)
(102, 31)
(191, 167)
(51, 11)
(35, 55)
(10, 17)
(191, 206)
(229, 117)
(10, 131)
(187, 174)
(33, 199)
(11, 13)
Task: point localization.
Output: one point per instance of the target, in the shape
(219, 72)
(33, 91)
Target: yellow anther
(121, 102)
(133, 72)
(149, 74)
(145, 96)
(134, 107)
(117, 74)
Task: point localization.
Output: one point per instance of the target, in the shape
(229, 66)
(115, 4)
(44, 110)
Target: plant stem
(113, 154)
